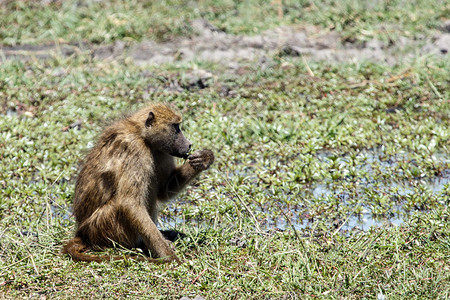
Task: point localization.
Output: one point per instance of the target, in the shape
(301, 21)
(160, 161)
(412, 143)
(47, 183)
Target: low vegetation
(31, 22)
(331, 180)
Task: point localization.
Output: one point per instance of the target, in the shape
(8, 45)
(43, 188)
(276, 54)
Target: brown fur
(125, 177)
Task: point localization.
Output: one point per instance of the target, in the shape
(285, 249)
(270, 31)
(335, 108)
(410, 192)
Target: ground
(329, 121)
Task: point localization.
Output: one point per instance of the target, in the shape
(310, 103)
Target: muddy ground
(212, 44)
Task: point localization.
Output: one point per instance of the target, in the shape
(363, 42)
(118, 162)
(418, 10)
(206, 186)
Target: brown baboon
(125, 177)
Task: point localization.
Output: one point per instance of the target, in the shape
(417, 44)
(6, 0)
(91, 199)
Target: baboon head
(163, 133)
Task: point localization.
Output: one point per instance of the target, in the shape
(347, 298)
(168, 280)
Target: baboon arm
(143, 223)
(181, 176)
(198, 161)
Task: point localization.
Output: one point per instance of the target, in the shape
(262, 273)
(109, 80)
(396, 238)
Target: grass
(36, 22)
(303, 163)
(278, 136)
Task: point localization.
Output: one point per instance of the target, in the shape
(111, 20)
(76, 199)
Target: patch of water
(321, 190)
(59, 212)
(362, 222)
(302, 202)
(366, 221)
(439, 183)
(11, 113)
(283, 224)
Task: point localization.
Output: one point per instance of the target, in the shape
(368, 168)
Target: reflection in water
(362, 203)
(365, 221)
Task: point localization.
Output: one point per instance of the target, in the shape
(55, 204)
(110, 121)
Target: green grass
(278, 135)
(34, 22)
(303, 163)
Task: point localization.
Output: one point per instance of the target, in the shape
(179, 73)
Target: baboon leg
(152, 237)
(107, 226)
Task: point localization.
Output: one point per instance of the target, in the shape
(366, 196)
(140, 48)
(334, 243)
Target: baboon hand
(201, 160)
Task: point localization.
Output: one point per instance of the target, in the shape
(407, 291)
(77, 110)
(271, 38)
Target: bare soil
(211, 44)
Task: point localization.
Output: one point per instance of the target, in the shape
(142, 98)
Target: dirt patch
(212, 44)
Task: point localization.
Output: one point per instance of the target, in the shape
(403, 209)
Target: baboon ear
(150, 119)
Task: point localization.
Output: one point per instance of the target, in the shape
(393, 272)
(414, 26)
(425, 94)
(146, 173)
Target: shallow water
(345, 194)
(366, 219)
(363, 222)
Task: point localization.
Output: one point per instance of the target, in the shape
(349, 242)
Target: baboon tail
(75, 248)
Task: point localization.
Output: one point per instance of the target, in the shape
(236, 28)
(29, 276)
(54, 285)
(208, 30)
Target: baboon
(123, 180)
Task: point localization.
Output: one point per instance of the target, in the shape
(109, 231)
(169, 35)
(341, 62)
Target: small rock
(443, 43)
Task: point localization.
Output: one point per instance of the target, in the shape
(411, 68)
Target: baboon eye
(177, 128)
